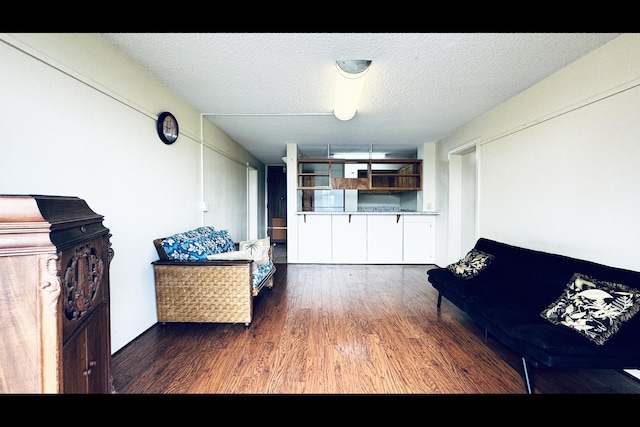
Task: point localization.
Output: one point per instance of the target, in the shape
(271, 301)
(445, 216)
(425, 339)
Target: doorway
(277, 211)
(463, 199)
(252, 202)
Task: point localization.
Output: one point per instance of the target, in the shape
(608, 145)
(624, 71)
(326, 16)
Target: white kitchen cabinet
(343, 238)
(384, 239)
(314, 238)
(349, 238)
(418, 242)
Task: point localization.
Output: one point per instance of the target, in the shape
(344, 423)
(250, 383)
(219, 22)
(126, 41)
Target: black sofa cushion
(547, 345)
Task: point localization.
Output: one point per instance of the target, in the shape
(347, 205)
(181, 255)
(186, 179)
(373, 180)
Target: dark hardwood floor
(342, 329)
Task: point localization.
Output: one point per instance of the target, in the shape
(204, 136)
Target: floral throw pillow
(593, 308)
(179, 247)
(471, 265)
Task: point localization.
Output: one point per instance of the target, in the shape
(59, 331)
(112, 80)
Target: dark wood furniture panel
(54, 296)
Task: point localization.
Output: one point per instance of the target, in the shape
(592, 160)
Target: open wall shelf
(367, 175)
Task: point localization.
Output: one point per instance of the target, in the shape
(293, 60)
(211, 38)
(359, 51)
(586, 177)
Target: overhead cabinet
(314, 175)
(391, 175)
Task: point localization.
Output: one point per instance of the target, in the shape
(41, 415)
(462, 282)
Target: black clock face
(167, 127)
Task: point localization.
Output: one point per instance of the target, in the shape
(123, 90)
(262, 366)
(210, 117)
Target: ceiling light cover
(350, 78)
(359, 156)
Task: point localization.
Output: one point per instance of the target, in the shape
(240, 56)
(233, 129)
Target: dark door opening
(277, 203)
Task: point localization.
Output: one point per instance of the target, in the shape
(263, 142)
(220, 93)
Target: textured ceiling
(269, 89)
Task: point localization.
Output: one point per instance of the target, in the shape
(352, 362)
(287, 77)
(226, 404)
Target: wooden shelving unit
(314, 175)
(391, 175)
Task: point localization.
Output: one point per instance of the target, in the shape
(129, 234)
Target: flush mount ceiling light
(350, 77)
(359, 156)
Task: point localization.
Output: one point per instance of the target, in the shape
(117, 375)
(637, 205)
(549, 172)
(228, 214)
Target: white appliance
(328, 201)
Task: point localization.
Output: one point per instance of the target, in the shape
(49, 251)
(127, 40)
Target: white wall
(558, 167)
(80, 121)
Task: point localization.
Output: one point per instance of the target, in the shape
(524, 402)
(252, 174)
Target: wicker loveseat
(202, 275)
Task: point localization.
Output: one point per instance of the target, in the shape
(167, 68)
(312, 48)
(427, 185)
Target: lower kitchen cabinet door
(418, 239)
(384, 239)
(349, 239)
(314, 238)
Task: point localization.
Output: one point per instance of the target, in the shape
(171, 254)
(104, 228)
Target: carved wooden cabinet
(54, 296)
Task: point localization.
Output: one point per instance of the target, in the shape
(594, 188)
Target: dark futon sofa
(553, 310)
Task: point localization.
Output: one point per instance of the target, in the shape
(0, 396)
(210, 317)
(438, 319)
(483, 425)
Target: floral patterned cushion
(593, 308)
(261, 272)
(196, 244)
(218, 242)
(471, 265)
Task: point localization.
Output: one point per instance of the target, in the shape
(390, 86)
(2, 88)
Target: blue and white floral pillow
(178, 248)
(218, 242)
(195, 245)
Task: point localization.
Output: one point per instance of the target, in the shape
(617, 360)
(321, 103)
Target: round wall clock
(167, 126)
